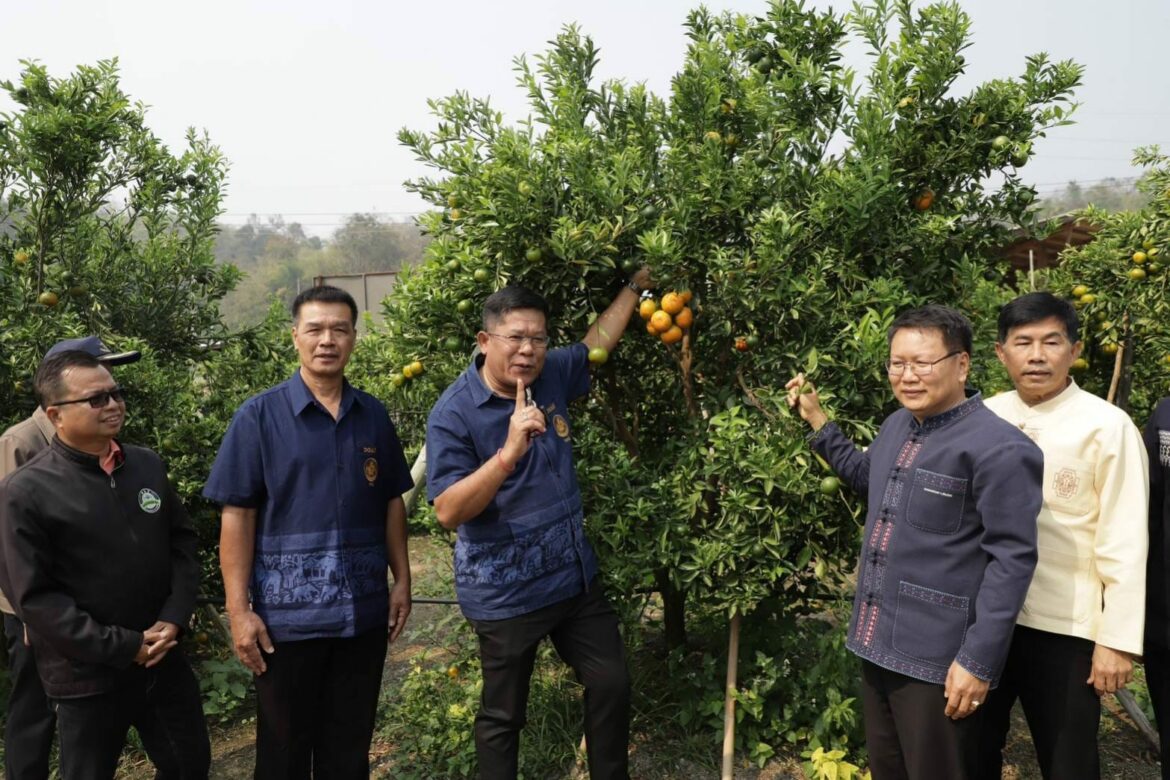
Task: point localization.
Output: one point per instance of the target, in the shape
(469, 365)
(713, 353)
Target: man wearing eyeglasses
(500, 472)
(1082, 624)
(99, 559)
(948, 550)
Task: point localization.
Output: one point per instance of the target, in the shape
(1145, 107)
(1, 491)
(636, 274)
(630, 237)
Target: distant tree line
(1111, 194)
(279, 258)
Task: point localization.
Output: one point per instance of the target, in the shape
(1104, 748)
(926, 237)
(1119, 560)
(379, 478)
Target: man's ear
(999, 352)
(54, 414)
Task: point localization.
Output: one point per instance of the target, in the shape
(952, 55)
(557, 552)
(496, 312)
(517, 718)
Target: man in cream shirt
(1082, 623)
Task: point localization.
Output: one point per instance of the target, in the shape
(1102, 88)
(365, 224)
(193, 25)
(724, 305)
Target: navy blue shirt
(321, 488)
(527, 549)
(950, 538)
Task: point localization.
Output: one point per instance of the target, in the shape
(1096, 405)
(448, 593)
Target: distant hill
(279, 259)
(1111, 194)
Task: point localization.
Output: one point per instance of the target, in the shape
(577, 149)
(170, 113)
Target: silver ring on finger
(975, 703)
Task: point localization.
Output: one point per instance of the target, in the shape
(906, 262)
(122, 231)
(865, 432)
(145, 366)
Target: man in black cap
(30, 725)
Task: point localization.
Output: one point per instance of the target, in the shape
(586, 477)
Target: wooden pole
(729, 699)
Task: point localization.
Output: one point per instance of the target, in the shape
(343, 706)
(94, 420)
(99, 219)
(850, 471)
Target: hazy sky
(305, 98)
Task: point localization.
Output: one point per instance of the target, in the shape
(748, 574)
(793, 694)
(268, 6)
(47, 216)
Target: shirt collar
(112, 459)
(480, 392)
(302, 397)
(950, 415)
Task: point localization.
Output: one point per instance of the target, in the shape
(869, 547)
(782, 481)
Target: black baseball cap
(94, 346)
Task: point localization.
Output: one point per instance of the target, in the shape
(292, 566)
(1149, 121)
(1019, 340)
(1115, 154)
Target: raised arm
(607, 330)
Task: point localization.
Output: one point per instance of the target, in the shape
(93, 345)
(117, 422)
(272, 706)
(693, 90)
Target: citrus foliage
(103, 230)
(1120, 285)
(800, 206)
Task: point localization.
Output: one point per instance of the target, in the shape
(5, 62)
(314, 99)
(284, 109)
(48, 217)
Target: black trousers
(28, 734)
(317, 703)
(584, 631)
(907, 732)
(162, 703)
(1157, 663)
(1047, 672)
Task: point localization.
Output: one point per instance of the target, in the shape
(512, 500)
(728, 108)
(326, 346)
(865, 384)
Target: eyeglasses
(538, 343)
(97, 400)
(917, 367)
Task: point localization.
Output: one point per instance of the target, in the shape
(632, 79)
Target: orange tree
(1119, 284)
(103, 230)
(799, 203)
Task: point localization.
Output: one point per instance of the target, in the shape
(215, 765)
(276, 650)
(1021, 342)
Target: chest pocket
(936, 502)
(1068, 485)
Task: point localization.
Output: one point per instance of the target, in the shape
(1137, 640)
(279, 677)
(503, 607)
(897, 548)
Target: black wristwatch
(638, 289)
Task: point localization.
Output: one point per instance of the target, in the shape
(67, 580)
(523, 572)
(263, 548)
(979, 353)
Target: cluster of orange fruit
(669, 318)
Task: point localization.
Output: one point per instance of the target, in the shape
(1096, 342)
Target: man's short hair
(1037, 306)
(954, 327)
(49, 381)
(324, 294)
(509, 299)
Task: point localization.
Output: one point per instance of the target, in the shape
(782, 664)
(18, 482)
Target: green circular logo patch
(148, 500)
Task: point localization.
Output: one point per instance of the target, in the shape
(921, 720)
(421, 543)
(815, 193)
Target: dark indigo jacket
(1157, 576)
(950, 538)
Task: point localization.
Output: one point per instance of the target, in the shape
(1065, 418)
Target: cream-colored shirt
(1090, 579)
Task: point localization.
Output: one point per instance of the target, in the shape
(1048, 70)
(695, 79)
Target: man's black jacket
(1158, 564)
(90, 561)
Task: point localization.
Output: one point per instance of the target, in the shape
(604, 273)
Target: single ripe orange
(653, 331)
(672, 303)
(685, 295)
(661, 320)
(647, 308)
(673, 334)
(685, 318)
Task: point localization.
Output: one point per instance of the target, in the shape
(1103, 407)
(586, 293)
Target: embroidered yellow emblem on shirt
(370, 468)
(562, 426)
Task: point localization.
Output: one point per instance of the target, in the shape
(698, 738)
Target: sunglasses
(97, 400)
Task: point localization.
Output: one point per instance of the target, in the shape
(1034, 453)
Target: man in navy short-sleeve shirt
(500, 471)
(310, 476)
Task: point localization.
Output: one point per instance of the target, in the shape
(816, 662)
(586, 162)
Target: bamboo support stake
(729, 699)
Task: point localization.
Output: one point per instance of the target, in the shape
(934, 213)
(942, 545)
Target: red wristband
(500, 458)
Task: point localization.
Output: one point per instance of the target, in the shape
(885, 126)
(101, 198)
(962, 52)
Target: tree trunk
(674, 619)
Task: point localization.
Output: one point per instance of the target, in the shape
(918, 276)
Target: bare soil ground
(1125, 753)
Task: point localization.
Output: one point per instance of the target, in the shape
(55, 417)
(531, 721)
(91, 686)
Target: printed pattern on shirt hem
(319, 577)
(932, 674)
(514, 559)
(1164, 448)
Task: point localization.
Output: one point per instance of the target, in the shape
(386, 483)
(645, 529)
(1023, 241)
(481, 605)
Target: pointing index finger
(520, 399)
